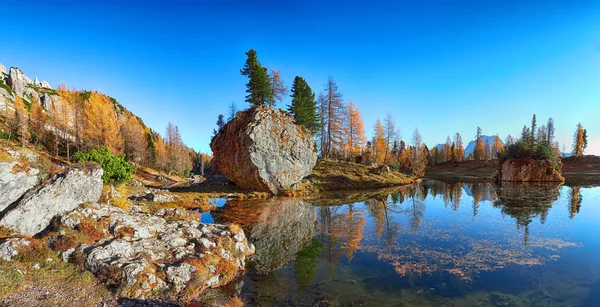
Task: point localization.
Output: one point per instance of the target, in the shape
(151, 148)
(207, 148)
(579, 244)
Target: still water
(434, 244)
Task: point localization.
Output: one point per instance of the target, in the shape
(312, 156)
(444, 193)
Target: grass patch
(330, 175)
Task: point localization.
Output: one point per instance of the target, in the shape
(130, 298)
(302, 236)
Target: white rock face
(60, 195)
(14, 184)
(2, 70)
(155, 243)
(19, 82)
(10, 247)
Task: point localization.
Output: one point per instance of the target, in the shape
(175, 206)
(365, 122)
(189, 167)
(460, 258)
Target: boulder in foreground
(61, 194)
(263, 150)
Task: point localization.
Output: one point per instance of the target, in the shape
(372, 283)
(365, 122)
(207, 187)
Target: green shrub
(116, 169)
(520, 150)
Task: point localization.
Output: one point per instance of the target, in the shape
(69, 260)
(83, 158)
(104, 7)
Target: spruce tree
(304, 105)
(258, 86)
(220, 124)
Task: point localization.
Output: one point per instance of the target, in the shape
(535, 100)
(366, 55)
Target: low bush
(116, 169)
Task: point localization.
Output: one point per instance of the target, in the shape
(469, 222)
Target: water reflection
(430, 244)
(277, 227)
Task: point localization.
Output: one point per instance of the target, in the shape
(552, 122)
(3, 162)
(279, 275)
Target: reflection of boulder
(278, 228)
(525, 201)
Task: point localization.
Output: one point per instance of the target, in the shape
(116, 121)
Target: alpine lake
(432, 244)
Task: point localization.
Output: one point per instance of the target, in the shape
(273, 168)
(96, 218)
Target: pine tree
(418, 159)
(550, 131)
(304, 106)
(258, 86)
(532, 137)
(151, 150)
(220, 124)
(460, 150)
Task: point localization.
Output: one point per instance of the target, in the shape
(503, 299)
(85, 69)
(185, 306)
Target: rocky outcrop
(60, 195)
(143, 252)
(278, 228)
(10, 247)
(15, 180)
(2, 71)
(19, 82)
(529, 170)
(263, 150)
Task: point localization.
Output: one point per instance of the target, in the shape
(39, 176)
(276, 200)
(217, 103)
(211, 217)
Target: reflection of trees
(340, 230)
(526, 201)
(480, 191)
(278, 228)
(305, 267)
(380, 209)
(415, 209)
(575, 199)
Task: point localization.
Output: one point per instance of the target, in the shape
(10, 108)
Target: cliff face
(263, 150)
(13, 83)
(528, 170)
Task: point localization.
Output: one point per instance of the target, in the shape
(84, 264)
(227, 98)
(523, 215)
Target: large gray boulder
(263, 150)
(60, 195)
(15, 180)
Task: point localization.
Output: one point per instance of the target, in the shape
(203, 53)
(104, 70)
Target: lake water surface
(434, 244)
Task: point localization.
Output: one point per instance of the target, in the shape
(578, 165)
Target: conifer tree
(379, 147)
(579, 141)
(497, 147)
(258, 87)
(532, 137)
(232, 111)
(304, 105)
(334, 117)
(220, 124)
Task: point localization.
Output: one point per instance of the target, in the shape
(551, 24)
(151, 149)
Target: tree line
(339, 133)
(80, 121)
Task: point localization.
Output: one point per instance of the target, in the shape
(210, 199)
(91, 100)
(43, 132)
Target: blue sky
(441, 66)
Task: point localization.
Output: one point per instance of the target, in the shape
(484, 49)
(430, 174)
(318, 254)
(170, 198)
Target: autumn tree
(232, 111)
(479, 151)
(460, 149)
(579, 141)
(335, 116)
(304, 105)
(258, 88)
(38, 123)
(356, 134)
(135, 140)
(390, 134)
(101, 125)
(21, 121)
(378, 142)
(419, 160)
(151, 150)
(278, 89)
(497, 147)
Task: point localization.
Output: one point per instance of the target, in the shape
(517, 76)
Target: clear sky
(441, 66)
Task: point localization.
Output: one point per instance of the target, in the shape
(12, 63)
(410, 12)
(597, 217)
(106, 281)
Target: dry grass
(329, 175)
(19, 275)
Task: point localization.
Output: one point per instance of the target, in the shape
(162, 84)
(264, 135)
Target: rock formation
(278, 228)
(263, 150)
(15, 83)
(168, 250)
(528, 170)
(60, 195)
(15, 180)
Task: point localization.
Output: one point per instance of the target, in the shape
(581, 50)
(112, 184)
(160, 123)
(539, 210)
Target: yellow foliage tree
(356, 134)
(101, 123)
(379, 148)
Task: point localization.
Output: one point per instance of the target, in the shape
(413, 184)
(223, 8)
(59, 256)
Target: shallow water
(433, 244)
